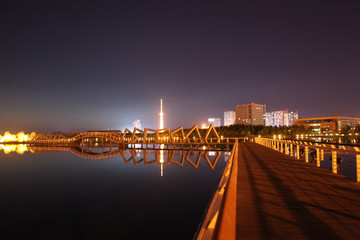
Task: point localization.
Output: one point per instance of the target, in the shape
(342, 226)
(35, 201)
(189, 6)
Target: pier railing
(220, 219)
(301, 149)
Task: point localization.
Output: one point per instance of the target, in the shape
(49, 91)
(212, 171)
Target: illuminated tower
(162, 145)
(161, 116)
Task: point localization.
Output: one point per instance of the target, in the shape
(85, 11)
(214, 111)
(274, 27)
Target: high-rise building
(281, 118)
(269, 119)
(250, 114)
(293, 115)
(214, 121)
(229, 118)
(137, 124)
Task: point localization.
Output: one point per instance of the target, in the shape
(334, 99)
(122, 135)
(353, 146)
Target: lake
(60, 195)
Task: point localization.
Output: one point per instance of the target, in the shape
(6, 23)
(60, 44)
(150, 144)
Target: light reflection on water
(328, 139)
(60, 195)
(18, 148)
(346, 164)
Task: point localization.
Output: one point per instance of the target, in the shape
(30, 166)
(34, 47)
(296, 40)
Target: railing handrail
(282, 146)
(339, 144)
(352, 149)
(215, 225)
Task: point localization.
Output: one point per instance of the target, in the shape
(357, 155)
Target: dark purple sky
(77, 65)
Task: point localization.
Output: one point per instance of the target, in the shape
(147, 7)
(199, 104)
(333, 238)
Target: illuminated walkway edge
(219, 221)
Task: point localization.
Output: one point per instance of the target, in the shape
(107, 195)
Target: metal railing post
(358, 168)
(334, 161)
(297, 151)
(318, 157)
(287, 147)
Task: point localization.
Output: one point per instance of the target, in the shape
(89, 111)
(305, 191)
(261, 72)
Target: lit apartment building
(292, 116)
(250, 114)
(229, 118)
(281, 118)
(327, 124)
(214, 121)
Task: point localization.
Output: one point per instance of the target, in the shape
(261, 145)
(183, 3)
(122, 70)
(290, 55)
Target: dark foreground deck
(279, 197)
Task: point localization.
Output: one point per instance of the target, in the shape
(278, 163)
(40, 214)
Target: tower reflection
(162, 160)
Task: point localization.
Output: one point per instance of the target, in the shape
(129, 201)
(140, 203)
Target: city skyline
(69, 66)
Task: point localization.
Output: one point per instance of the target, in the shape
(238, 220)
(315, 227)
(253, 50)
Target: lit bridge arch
(137, 136)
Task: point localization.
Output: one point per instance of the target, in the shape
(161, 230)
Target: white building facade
(281, 118)
(214, 121)
(229, 118)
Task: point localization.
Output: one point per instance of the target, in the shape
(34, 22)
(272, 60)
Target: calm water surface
(58, 195)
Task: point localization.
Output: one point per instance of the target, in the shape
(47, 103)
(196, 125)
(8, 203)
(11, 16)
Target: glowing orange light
(18, 148)
(20, 137)
(21, 148)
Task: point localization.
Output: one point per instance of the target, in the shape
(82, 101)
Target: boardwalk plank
(280, 197)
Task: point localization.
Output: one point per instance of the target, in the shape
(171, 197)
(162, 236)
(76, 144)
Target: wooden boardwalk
(279, 197)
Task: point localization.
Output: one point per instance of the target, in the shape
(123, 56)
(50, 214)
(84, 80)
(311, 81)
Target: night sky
(79, 65)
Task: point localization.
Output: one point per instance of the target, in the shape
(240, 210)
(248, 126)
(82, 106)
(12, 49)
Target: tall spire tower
(161, 145)
(161, 116)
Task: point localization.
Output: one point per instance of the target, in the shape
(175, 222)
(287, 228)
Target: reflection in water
(123, 197)
(226, 156)
(162, 160)
(162, 157)
(212, 153)
(18, 148)
(328, 138)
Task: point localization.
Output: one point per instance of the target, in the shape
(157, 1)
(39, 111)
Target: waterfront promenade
(280, 197)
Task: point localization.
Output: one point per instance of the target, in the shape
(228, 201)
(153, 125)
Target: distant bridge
(144, 137)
